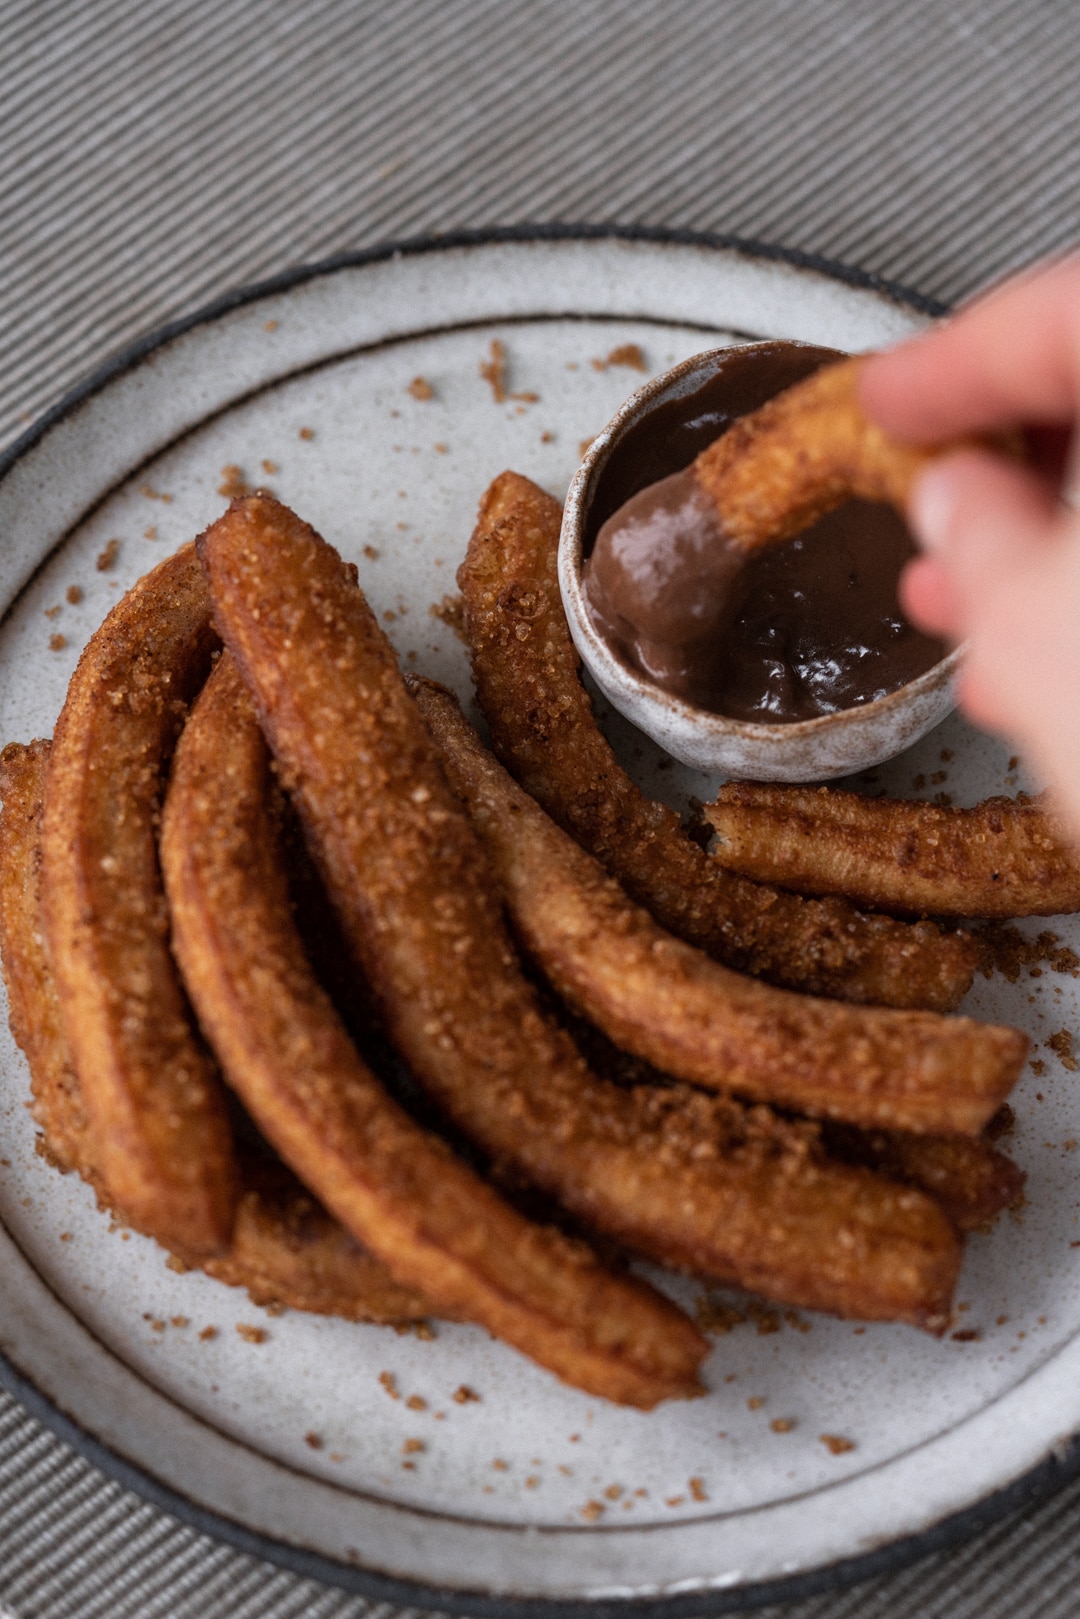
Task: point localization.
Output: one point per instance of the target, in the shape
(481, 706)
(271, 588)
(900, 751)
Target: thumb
(983, 521)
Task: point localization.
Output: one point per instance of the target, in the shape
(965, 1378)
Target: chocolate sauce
(802, 629)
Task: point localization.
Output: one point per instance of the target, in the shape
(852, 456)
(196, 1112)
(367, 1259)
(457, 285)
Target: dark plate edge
(1044, 1479)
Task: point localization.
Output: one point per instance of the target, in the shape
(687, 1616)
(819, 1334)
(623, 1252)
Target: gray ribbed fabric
(154, 155)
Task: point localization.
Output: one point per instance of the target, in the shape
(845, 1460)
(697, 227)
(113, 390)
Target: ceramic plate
(362, 395)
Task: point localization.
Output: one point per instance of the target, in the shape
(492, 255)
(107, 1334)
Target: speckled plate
(357, 393)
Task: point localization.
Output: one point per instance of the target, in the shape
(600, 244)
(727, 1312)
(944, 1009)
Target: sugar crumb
(250, 1334)
(57, 642)
(307, 434)
(421, 388)
(74, 594)
(389, 1382)
(628, 354)
(233, 485)
(835, 1444)
(108, 556)
(313, 1441)
(464, 1395)
(493, 371)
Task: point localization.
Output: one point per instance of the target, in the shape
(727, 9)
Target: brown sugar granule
(1061, 1044)
(53, 612)
(307, 434)
(421, 1330)
(782, 1424)
(151, 493)
(451, 612)
(547, 436)
(593, 1510)
(441, 449)
(74, 594)
(157, 1325)
(275, 1307)
(1038, 1068)
(493, 371)
(527, 397)
(918, 782)
(57, 642)
(269, 325)
(532, 1481)
(207, 1333)
(233, 485)
(150, 533)
(269, 467)
(967, 1335)
(108, 556)
(938, 776)
(463, 1394)
(628, 354)
(65, 1236)
(946, 755)
(416, 1402)
(697, 1489)
(1003, 948)
(675, 1500)
(500, 1466)
(250, 1334)
(767, 1321)
(420, 388)
(410, 1467)
(1070, 1145)
(835, 1444)
(371, 553)
(614, 1491)
(1013, 762)
(413, 1447)
(755, 1402)
(313, 1440)
(180, 1321)
(389, 1382)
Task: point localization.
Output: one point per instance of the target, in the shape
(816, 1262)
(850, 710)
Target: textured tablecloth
(154, 155)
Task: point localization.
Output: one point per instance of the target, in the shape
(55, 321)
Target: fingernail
(932, 505)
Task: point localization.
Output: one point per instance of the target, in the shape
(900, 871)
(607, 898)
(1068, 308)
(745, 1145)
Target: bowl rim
(610, 669)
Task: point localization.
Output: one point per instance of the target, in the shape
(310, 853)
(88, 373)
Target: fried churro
(162, 1138)
(692, 1180)
(801, 454)
(397, 1188)
(544, 731)
(1004, 857)
(667, 1002)
(284, 1248)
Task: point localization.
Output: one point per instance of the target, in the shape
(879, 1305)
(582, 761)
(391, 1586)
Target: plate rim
(1045, 1478)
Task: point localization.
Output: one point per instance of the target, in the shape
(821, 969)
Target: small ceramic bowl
(806, 750)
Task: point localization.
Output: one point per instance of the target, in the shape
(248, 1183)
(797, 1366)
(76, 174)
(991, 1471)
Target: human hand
(1001, 547)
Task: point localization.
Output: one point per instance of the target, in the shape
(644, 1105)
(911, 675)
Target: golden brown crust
(1004, 857)
(544, 731)
(782, 467)
(971, 1180)
(692, 1180)
(162, 1136)
(284, 1248)
(437, 1227)
(667, 1002)
(34, 1008)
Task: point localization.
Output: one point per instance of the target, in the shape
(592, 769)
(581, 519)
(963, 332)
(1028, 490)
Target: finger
(1011, 358)
(926, 596)
(982, 519)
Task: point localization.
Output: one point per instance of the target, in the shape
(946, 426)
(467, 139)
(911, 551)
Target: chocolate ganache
(801, 629)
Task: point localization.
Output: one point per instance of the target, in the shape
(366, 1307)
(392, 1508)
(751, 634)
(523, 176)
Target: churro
(667, 1002)
(162, 1138)
(1004, 857)
(544, 731)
